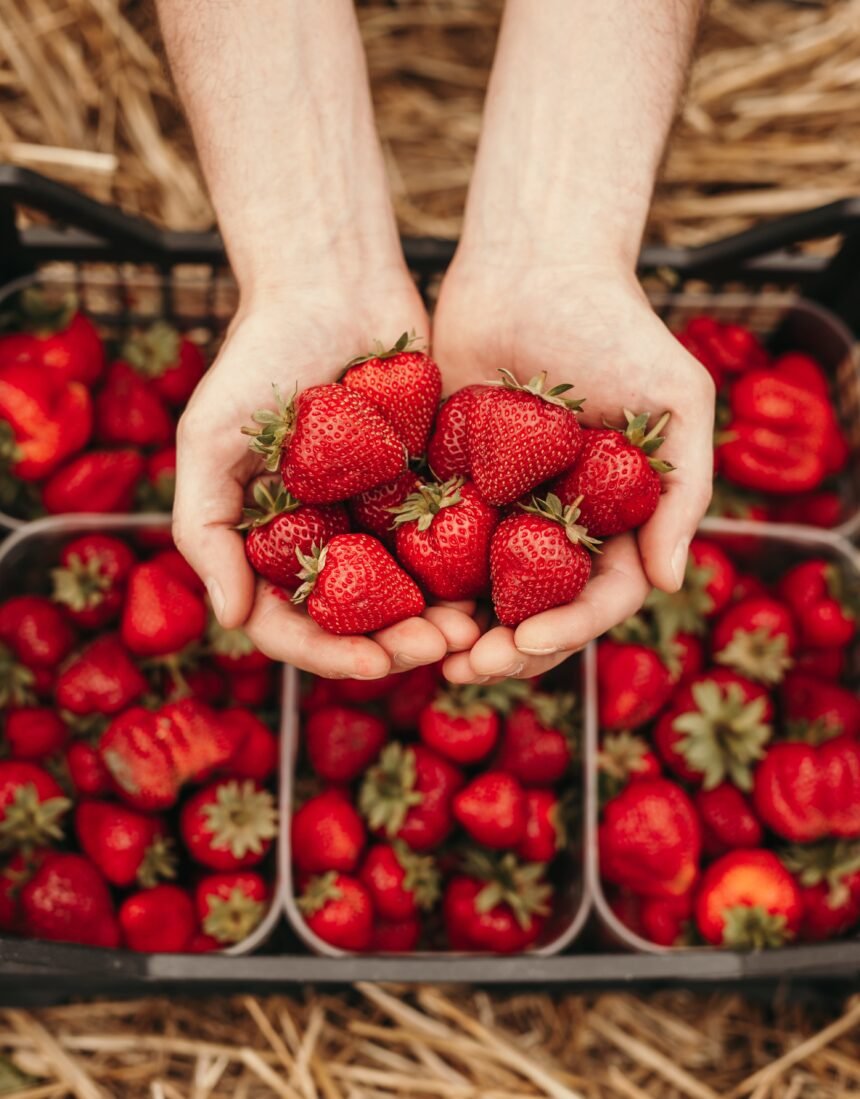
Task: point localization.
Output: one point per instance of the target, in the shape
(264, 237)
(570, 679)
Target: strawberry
(404, 384)
(252, 688)
(353, 585)
(101, 679)
(67, 900)
(664, 921)
(496, 905)
(326, 834)
(732, 348)
(395, 936)
(342, 742)
(399, 881)
(56, 338)
(806, 792)
(544, 833)
(650, 840)
(159, 920)
(688, 655)
(229, 825)
(520, 435)
(338, 909)
(372, 510)
(816, 509)
(88, 775)
(129, 413)
(828, 875)
(14, 874)
(539, 559)
(616, 476)
(203, 682)
(827, 664)
(756, 637)
(203, 944)
(160, 615)
(358, 692)
(728, 502)
(709, 582)
(256, 756)
(715, 729)
(170, 363)
(460, 724)
(45, 421)
(138, 762)
(172, 561)
(413, 691)
(279, 527)
(727, 819)
(230, 905)
(329, 442)
(748, 900)
(443, 538)
(824, 607)
(35, 630)
(157, 490)
(408, 795)
(128, 847)
(233, 651)
(196, 738)
(804, 371)
(448, 450)
(748, 586)
(98, 481)
(90, 579)
(622, 758)
(32, 806)
(34, 733)
(537, 738)
(633, 683)
(492, 810)
(810, 701)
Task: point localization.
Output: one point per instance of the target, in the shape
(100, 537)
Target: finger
(287, 633)
(457, 668)
(616, 590)
(495, 655)
(459, 629)
(412, 642)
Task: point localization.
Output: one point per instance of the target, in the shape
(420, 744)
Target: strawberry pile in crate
(86, 426)
(137, 755)
(730, 753)
(435, 817)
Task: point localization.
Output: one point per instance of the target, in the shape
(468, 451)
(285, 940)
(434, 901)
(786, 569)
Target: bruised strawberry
(101, 679)
(98, 481)
(634, 684)
(326, 834)
(34, 733)
(460, 724)
(279, 527)
(128, 847)
(727, 819)
(498, 905)
(372, 511)
(160, 615)
(229, 825)
(395, 936)
(196, 738)
(35, 630)
(404, 384)
(756, 637)
(399, 881)
(448, 450)
(809, 701)
(32, 806)
(90, 579)
(159, 920)
(342, 742)
(537, 738)
(129, 413)
(138, 762)
(256, 755)
(492, 810)
(825, 609)
(88, 775)
(170, 364)
(747, 900)
(544, 833)
(67, 900)
(231, 905)
(338, 909)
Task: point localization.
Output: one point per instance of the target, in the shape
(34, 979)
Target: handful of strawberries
(387, 500)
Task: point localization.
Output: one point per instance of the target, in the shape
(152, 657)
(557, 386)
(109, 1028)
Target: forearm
(581, 99)
(276, 93)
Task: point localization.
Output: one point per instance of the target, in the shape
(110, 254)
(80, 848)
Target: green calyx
(29, 822)
(552, 509)
(273, 431)
(158, 863)
(754, 928)
(17, 682)
(829, 861)
(654, 632)
(475, 699)
(758, 654)
(230, 643)
(318, 892)
(232, 918)
(241, 818)
(844, 589)
(686, 610)
(42, 313)
(421, 878)
(557, 711)
(638, 434)
(725, 735)
(407, 341)
(423, 505)
(10, 452)
(80, 585)
(537, 387)
(388, 791)
(272, 500)
(521, 886)
(815, 732)
(312, 565)
(621, 755)
(154, 351)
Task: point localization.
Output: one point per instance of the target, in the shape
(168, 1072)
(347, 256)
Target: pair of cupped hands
(591, 326)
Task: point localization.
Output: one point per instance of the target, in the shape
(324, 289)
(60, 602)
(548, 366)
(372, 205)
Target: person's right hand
(295, 338)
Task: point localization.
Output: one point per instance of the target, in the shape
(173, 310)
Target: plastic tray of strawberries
(140, 744)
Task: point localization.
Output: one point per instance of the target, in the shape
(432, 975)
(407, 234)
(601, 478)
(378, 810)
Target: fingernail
(537, 652)
(679, 560)
(216, 596)
(404, 661)
(513, 670)
(481, 679)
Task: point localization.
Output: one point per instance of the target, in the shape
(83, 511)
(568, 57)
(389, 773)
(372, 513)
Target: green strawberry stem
(80, 585)
(17, 682)
(519, 885)
(273, 430)
(423, 505)
(754, 928)
(28, 822)
(240, 818)
(312, 565)
(388, 791)
(830, 861)
(154, 351)
(159, 861)
(725, 735)
(318, 892)
(536, 386)
(758, 654)
(406, 341)
(272, 500)
(422, 878)
(232, 918)
(42, 313)
(552, 510)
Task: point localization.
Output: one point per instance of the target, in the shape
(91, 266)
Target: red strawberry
(827, 664)
(90, 579)
(172, 561)
(55, 338)
(399, 881)
(688, 654)
(45, 421)
(338, 909)
(544, 834)
(413, 691)
(727, 502)
(129, 413)
(804, 371)
(748, 586)
(101, 679)
(252, 688)
(395, 936)
(372, 510)
(34, 733)
(353, 585)
(158, 490)
(756, 637)
(138, 762)
(408, 794)
(326, 834)
(203, 944)
(158, 920)
(88, 775)
(623, 758)
(342, 742)
(709, 583)
(32, 806)
(403, 384)
(229, 825)
(727, 819)
(633, 682)
(748, 900)
(358, 692)
(329, 442)
(828, 875)
(160, 615)
(536, 742)
(448, 450)
(616, 476)
(67, 900)
(170, 363)
(520, 435)
(35, 630)
(196, 739)
(280, 525)
(233, 651)
(497, 905)
(14, 875)
(817, 509)
(256, 756)
(825, 610)
(204, 682)
(492, 810)
(663, 921)
(98, 481)
(538, 560)
(650, 839)
(20, 685)
(810, 701)
(460, 724)
(715, 729)
(230, 905)
(128, 847)
(732, 347)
